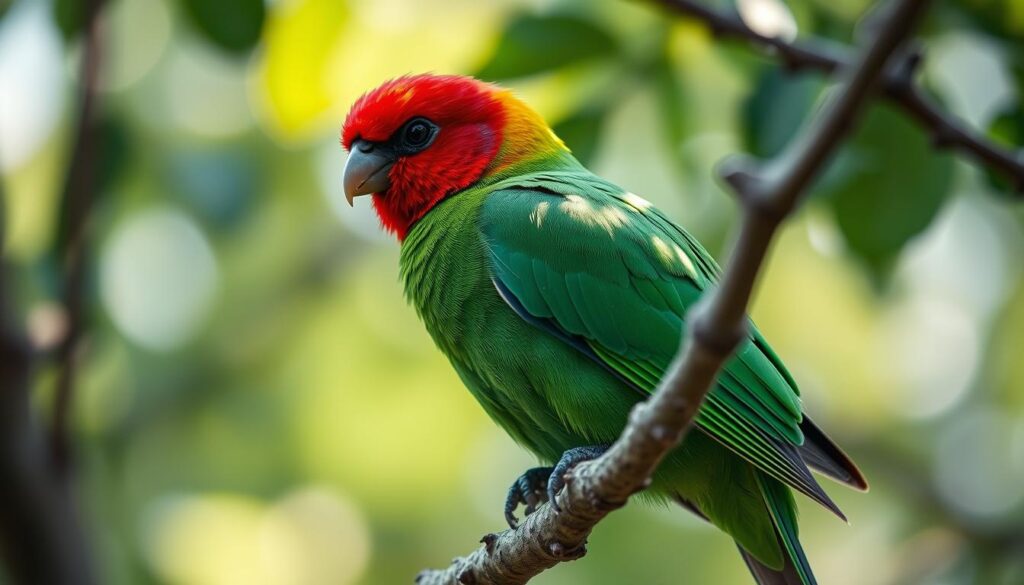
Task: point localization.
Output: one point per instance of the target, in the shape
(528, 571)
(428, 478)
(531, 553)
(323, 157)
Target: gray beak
(367, 169)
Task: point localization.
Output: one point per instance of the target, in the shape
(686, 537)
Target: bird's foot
(527, 489)
(569, 460)
(541, 484)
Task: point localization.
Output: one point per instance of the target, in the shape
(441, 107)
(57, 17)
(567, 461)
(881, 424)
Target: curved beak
(367, 169)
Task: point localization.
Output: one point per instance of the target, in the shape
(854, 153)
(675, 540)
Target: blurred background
(256, 404)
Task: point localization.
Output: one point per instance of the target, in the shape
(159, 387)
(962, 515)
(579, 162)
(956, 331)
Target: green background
(258, 405)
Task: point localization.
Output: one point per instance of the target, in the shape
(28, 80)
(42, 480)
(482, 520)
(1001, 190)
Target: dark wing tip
(827, 458)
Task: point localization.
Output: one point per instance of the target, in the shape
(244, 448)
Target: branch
(79, 195)
(718, 325)
(899, 86)
(41, 537)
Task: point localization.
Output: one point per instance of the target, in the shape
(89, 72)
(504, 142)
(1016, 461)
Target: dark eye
(418, 134)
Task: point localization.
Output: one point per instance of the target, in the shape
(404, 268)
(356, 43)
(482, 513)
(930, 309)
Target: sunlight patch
(539, 212)
(664, 251)
(636, 201)
(685, 259)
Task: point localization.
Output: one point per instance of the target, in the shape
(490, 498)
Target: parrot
(560, 300)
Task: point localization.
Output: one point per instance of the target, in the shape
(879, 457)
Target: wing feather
(613, 277)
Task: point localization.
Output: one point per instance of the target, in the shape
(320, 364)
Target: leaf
(294, 69)
(111, 151)
(69, 15)
(233, 25)
(534, 44)
(114, 152)
(893, 185)
(1007, 129)
(776, 109)
(674, 102)
(581, 132)
(671, 98)
(4, 5)
(999, 18)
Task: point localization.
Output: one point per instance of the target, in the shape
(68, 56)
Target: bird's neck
(528, 144)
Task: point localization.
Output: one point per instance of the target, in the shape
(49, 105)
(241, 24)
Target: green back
(602, 268)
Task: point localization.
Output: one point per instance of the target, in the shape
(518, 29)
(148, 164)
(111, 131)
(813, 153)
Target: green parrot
(560, 300)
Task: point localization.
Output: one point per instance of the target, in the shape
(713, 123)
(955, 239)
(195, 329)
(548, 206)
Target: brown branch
(72, 249)
(718, 324)
(946, 130)
(41, 537)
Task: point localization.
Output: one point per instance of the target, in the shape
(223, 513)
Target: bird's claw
(542, 484)
(569, 460)
(527, 489)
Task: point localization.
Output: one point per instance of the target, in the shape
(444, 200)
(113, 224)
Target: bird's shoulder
(570, 217)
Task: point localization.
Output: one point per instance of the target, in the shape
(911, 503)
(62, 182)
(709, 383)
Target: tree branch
(41, 539)
(41, 536)
(72, 249)
(946, 130)
(718, 325)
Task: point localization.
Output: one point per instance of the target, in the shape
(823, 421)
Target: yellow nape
(527, 135)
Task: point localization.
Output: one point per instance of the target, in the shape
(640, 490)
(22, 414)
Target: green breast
(444, 270)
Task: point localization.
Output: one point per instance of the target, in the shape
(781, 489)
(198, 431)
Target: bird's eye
(418, 134)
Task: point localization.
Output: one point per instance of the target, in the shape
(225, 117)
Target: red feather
(471, 120)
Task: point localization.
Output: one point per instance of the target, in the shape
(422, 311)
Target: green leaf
(776, 109)
(115, 152)
(999, 18)
(671, 98)
(4, 5)
(1007, 129)
(111, 148)
(69, 15)
(534, 44)
(892, 187)
(582, 131)
(233, 25)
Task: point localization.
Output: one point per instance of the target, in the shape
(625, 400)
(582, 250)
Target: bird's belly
(545, 393)
(550, 397)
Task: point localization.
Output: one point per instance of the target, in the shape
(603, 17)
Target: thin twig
(717, 326)
(72, 247)
(900, 88)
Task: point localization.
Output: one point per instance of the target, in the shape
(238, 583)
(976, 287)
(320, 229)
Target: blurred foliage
(537, 44)
(776, 110)
(112, 151)
(1007, 129)
(258, 405)
(69, 15)
(233, 25)
(892, 187)
(299, 45)
(581, 132)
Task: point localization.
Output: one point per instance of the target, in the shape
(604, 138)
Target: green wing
(608, 273)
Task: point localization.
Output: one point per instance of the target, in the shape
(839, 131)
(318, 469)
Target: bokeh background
(258, 405)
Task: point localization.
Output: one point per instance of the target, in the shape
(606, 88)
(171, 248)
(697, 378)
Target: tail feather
(765, 575)
(823, 455)
(808, 485)
(780, 504)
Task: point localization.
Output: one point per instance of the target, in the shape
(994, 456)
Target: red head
(415, 140)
